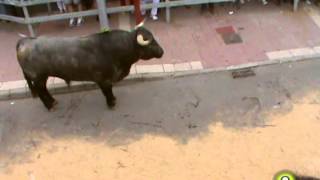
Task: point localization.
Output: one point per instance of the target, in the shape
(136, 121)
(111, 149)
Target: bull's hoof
(34, 94)
(111, 104)
(53, 105)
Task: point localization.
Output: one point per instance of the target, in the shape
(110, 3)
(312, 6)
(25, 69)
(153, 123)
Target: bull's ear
(140, 24)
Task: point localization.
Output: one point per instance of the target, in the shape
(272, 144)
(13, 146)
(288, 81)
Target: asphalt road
(178, 108)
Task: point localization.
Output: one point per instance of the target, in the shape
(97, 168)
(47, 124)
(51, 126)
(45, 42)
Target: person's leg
(154, 10)
(79, 5)
(64, 6)
(69, 7)
(60, 6)
(143, 12)
(68, 4)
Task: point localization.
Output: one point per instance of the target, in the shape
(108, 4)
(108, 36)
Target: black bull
(104, 58)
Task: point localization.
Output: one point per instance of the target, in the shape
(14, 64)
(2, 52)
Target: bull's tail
(21, 55)
(31, 85)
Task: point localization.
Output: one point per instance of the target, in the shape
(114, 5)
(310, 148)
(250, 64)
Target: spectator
(61, 6)
(71, 5)
(154, 11)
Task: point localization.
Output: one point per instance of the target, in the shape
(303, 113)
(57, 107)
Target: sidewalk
(255, 33)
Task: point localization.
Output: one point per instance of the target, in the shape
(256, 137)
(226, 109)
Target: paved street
(208, 38)
(208, 126)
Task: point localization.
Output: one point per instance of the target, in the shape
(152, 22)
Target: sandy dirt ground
(291, 141)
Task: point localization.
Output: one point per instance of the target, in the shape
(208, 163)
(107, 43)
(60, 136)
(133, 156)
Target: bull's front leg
(106, 89)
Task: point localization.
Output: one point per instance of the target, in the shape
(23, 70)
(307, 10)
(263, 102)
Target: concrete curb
(138, 73)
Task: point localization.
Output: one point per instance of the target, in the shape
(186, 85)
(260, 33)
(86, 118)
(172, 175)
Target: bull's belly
(96, 76)
(82, 76)
(79, 70)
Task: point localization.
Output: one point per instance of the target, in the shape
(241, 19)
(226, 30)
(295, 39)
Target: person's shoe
(80, 21)
(154, 17)
(72, 22)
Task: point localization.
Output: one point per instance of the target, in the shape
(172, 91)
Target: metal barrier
(101, 10)
(28, 20)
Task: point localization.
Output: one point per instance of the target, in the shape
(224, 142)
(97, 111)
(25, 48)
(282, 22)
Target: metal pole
(295, 5)
(27, 18)
(168, 18)
(103, 19)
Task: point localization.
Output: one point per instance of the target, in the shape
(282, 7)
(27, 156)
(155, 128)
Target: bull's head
(147, 45)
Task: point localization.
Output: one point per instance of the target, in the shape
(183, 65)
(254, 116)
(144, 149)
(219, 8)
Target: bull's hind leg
(30, 84)
(45, 96)
(106, 89)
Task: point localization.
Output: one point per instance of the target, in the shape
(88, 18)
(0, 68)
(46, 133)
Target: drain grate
(229, 35)
(243, 73)
(231, 38)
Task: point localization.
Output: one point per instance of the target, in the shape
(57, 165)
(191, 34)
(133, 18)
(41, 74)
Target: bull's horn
(22, 35)
(141, 41)
(140, 24)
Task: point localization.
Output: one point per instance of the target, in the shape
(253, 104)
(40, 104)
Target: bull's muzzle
(160, 53)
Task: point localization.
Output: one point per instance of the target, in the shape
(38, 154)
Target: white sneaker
(154, 17)
(264, 2)
(72, 22)
(80, 21)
